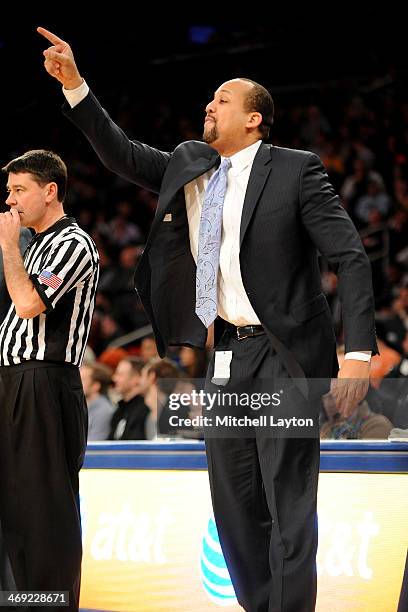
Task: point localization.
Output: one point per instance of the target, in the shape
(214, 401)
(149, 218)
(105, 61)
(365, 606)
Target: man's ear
(51, 191)
(254, 120)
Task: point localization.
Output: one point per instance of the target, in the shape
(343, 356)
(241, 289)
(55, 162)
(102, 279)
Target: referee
(6, 578)
(42, 406)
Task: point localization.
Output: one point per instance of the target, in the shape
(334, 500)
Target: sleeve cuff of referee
(41, 292)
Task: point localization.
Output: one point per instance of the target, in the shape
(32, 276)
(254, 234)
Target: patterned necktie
(209, 244)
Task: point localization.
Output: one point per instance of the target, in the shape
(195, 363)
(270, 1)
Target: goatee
(210, 134)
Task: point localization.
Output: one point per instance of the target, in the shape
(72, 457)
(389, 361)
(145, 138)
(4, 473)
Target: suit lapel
(189, 173)
(257, 179)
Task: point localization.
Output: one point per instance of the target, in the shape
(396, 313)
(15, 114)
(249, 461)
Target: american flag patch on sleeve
(48, 278)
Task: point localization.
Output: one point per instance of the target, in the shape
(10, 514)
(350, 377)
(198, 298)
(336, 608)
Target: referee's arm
(23, 294)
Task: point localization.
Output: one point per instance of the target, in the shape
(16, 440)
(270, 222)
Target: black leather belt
(246, 331)
(289, 361)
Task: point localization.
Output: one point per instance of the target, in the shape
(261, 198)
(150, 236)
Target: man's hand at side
(351, 385)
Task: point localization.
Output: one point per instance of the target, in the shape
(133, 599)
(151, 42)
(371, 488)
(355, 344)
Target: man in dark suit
(278, 210)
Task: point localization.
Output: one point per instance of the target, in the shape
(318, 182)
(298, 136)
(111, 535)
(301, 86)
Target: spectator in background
(333, 162)
(148, 348)
(394, 390)
(400, 370)
(363, 424)
(360, 151)
(355, 185)
(329, 285)
(110, 330)
(160, 378)
(392, 318)
(122, 230)
(129, 420)
(111, 357)
(124, 300)
(109, 269)
(383, 363)
(400, 304)
(96, 380)
(117, 296)
(315, 125)
(375, 200)
(398, 225)
(193, 361)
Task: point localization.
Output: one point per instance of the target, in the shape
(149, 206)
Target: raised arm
(133, 160)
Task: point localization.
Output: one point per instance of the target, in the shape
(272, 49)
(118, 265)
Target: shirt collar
(244, 158)
(56, 227)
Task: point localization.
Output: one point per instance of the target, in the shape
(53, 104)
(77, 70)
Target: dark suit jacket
(290, 214)
(133, 414)
(25, 238)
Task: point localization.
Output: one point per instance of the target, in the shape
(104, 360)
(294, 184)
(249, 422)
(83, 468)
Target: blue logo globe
(214, 573)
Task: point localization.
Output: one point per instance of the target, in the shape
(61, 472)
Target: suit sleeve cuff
(75, 96)
(359, 355)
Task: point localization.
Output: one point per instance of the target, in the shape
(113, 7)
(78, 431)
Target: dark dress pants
(42, 444)
(264, 492)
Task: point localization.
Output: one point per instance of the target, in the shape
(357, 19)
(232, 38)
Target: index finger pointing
(53, 38)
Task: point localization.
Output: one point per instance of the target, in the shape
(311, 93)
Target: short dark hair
(136, 363)
(45, 167)
(166, 371)
(101, 374)
(259, 100)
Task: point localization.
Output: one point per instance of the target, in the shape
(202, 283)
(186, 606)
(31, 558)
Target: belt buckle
(244, 335)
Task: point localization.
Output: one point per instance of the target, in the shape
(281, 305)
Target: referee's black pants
(264, 494)
(43, 432)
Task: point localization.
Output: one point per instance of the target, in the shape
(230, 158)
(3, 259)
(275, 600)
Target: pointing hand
(59, 61)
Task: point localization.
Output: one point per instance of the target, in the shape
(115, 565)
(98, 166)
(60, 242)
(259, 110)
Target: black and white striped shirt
(63, 265)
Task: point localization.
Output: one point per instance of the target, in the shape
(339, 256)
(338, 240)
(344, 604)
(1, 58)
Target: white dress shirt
(233, 303)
